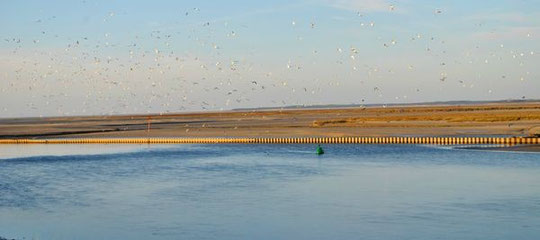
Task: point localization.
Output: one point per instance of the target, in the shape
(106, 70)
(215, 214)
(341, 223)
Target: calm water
(267, 192)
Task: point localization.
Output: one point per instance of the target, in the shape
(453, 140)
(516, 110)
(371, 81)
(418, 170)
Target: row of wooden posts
(283, 140)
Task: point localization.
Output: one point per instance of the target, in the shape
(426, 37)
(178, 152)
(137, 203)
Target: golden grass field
(505, 119)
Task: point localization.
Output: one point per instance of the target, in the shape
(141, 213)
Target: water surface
(267, 192)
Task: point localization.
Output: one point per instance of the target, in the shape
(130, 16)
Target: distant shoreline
(508, 119)
(413, 104)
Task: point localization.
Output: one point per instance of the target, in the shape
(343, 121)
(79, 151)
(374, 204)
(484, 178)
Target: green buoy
(319, 150)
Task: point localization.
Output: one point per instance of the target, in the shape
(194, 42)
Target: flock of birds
(150, 74)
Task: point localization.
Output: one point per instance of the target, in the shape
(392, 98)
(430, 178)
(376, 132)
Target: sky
(69, 58)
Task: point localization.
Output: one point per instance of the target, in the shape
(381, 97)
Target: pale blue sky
(121, 57)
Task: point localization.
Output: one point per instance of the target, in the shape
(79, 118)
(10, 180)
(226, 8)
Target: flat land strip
(486, 119)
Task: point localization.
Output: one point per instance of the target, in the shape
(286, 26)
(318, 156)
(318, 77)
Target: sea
(278, 191)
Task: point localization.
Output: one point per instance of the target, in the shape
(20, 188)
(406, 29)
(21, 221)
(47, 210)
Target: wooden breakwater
(285, 140)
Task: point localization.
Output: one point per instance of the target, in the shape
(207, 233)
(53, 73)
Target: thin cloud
(359, 5)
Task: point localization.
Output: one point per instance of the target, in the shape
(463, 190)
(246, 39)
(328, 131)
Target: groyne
(284, 140)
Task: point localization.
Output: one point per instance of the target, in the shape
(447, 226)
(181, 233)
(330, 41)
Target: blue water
(267, 192)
